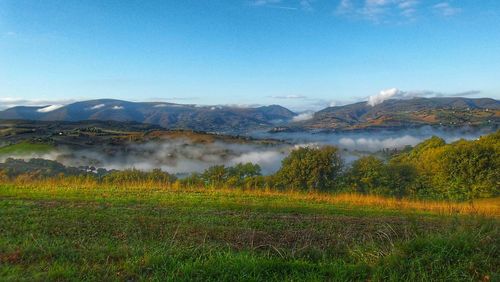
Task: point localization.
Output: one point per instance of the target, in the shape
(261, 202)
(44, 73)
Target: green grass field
(25, 148)
(125, 234)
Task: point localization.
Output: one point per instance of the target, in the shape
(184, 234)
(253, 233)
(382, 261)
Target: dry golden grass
(485, 207)
(489, 207)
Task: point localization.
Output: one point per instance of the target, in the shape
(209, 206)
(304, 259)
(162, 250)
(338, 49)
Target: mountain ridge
(393, 113)
(167, 115)
(452, 111)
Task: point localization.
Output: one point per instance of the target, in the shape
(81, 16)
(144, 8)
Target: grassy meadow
(25, 148)
(79, 231)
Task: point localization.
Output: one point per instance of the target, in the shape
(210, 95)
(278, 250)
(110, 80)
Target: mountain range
(394, 113)
(167, 115)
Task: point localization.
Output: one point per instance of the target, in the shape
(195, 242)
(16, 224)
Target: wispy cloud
(379, 10)
(289, 97)
(171, 99)
(303, 116)
(395, 93)
(388, 11)
(8, 102)
(97, 106)
(292, 5)
(306, 5)
(274, 4)
(49, 108)
(265, 2)
(445, 9)
(301, 103)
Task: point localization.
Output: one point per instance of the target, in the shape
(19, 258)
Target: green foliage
(371, 175)
(368, 175)
(25, 148)
(215, 175)
(310, 169)
(240, 175)
(36, 169)
(192, 180)
(462, 170)
(471, 169)
(400, 179)
(421, 148)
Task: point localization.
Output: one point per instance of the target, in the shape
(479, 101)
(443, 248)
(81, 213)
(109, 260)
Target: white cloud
(49, 108)
(335, 104)
(160, 106)
(97, 106)
(394, 93)
(382, 96)
(118, 108)
(303, 117)
(8, 102)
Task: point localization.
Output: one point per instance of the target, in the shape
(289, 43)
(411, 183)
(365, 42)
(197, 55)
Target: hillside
(450, 112)
(172, 116)
(100, 134)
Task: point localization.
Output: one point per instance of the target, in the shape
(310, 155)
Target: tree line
(433, 169)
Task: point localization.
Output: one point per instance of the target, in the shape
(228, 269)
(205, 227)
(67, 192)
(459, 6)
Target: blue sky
(302, 54)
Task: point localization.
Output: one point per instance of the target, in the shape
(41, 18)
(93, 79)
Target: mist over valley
(121, 145)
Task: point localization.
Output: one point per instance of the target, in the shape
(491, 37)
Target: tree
(471, 169)
(368, 175)
(310, 169)
(237, 174)
(463, 170)
(215, 175)
(400, 179)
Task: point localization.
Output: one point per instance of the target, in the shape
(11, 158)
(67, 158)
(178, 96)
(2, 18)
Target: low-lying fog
(182, 156)
(372, 141)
